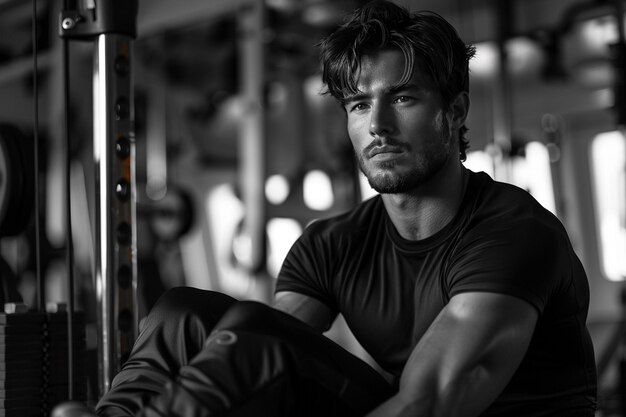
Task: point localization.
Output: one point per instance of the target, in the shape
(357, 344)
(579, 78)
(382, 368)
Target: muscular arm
(465, 359)
(308, 309)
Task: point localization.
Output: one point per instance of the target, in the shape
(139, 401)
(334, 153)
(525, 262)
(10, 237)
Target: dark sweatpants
(202, 353)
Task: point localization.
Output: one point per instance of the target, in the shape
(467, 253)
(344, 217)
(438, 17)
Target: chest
(389, 299)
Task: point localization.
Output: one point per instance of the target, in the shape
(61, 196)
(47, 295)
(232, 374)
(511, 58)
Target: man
(466, 291)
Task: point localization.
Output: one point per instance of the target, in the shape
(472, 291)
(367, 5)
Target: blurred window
(608, 160)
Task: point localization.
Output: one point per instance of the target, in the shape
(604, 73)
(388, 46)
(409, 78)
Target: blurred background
(236, 151)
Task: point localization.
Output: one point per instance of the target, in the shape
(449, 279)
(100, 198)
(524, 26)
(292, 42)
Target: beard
(386, 179)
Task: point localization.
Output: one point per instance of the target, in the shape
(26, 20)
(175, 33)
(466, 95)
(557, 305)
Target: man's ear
(459, 108)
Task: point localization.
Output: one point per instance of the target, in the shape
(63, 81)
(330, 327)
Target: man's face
(401, 136)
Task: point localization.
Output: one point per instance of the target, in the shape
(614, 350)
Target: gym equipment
(112, 26)
(34, 360)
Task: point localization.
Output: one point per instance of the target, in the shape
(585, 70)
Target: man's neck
(429, 208)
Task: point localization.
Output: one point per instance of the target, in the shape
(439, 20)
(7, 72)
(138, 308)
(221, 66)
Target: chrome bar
(115, 208)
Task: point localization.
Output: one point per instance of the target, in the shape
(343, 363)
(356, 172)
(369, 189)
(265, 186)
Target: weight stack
(21, 364)
(34, 361)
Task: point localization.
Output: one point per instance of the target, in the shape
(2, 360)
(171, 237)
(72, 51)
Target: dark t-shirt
(390, 289)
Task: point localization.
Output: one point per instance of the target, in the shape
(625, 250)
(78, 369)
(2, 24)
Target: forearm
(466, 395)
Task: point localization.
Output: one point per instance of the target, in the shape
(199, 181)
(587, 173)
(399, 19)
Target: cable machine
(111, 25)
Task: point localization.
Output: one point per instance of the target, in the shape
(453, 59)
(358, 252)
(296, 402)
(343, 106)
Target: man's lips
(385, 149)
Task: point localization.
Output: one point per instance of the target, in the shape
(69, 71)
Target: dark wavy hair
(425, 39)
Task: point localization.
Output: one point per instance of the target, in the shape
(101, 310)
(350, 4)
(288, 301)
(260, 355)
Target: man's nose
(381, 120)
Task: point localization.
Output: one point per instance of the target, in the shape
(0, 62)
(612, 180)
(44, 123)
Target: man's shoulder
(500, 206)
(502, 197)
(495, 191)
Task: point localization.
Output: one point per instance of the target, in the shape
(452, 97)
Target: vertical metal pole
(502, 118)
(115, 211)
(252, 132)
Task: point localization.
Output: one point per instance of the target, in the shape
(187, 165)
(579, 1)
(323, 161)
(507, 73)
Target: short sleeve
(306, 267)
(520, 259)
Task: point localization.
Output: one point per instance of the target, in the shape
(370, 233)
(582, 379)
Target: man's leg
(261, 362)
(172, 334)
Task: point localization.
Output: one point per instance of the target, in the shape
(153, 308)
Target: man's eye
(403, 99)
(359, 107)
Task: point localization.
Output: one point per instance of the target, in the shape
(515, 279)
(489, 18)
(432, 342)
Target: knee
(179, 304)
(182, 300)
(178, 324)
